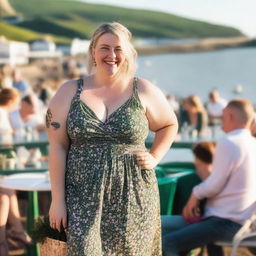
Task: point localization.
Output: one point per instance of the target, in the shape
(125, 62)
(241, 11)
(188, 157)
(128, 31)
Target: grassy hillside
(21, 34)
(15, 33)
(69, 18)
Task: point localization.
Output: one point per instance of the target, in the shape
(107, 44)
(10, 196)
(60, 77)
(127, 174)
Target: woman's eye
(119, 49)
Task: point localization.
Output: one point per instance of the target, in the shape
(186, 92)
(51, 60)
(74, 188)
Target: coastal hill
(66, 19)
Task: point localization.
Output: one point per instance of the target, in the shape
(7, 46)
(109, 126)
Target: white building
(43, 45)
(43, 48)
(13, 52)
(79, 46)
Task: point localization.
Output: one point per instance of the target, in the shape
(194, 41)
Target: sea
(231, 71)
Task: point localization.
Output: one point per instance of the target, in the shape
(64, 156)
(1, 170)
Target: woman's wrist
(58, 199)
(155, 155)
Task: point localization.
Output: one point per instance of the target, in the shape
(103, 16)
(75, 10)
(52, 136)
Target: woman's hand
(58, 216)
(145, 159)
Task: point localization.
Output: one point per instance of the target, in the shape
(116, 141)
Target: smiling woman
(119, 45)
(104, 189)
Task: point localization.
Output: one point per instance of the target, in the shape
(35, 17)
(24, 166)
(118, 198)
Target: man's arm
(225, 159)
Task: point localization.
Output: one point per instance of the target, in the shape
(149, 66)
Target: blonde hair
(196, 102)
(8, 96)
(121, 32)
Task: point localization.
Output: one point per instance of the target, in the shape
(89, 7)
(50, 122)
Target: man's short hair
(245, 109)
(28, 99)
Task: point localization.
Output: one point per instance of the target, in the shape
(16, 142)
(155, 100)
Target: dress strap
(80, 83)
(135, 85)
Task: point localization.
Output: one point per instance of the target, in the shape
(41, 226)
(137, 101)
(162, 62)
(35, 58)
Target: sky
(236, 13)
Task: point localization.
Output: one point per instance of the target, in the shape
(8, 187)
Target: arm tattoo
(48, 120)
(55, 125)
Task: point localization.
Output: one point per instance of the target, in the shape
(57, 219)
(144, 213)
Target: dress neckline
(121, 106)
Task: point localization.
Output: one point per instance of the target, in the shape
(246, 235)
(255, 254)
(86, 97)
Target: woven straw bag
(53, 247)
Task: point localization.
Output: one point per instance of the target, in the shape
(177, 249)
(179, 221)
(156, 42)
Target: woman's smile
(109, 54)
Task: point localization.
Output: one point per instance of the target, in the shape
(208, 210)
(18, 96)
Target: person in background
(10, 214)
(204, 153)
(19, 83)
(9, 100)
(230, 188)
(5, 78)
(27, 116)
(193, 115)
(104, 189)
(253, 126)
(41, 91)
(203, 157)
(215, 107)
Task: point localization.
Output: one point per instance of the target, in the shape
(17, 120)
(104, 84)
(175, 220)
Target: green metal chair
(186, 178)
(167, 184)
(179, 166)
(167, 189)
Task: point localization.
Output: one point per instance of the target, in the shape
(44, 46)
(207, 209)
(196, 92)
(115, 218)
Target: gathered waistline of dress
(113, 147)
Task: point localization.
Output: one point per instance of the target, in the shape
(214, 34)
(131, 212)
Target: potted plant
(51, 241)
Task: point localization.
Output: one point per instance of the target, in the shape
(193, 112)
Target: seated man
(230, 189)
(27, 115)
(215, 107)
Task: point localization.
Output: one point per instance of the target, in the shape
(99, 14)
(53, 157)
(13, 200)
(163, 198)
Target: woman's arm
(162, 121)
(56, 118)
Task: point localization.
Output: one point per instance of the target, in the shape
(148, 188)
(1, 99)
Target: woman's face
(109, 54)
(187, 106)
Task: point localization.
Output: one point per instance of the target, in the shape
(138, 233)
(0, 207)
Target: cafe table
(31, 182)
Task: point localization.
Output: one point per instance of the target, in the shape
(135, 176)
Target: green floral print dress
(112, 204)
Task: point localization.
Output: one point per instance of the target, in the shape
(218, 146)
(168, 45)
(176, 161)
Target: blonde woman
(194, 114)
(104, 189)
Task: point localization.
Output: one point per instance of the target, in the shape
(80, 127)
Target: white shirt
(216, 108)
(231, 188)
(18, 124)
(5, 125)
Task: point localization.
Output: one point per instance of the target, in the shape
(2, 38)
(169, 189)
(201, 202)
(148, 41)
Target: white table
(26, 182)
(31, 182)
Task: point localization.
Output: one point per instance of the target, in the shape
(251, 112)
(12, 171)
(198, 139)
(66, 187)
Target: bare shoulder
(64, 94)
(146, 87)
(158, 111)
(148, 91)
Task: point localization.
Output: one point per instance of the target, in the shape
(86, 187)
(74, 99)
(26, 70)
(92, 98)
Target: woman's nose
(112, 53)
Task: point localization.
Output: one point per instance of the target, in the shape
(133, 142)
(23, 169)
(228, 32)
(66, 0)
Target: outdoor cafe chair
(245, 237)
(167, 189)
(168, 180)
